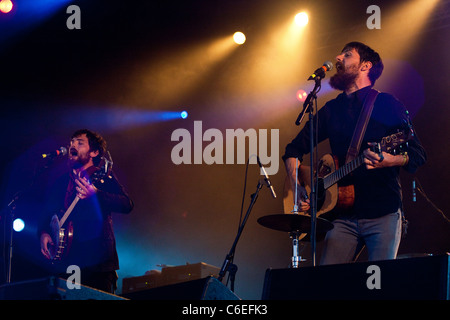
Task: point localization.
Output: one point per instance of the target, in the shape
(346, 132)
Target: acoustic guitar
(332, 198)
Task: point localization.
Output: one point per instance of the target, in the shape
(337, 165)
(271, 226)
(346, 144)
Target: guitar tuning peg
(376, 147)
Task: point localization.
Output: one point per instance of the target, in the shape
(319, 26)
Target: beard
(78, 160)
(344, 79)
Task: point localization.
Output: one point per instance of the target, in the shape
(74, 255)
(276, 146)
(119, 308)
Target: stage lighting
(18, 225)
(301, 19)
(301, 95)
(6, 6)
(184, 114)
(239, 37)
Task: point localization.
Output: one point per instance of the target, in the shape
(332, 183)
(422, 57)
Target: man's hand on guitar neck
(383, 160)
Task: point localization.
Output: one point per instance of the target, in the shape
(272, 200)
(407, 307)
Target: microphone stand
(11, 208)
(308, 107)
(10, 212)
(228, 262)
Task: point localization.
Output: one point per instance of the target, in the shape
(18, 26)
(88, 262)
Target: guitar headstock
(394, 144)
(105, 168)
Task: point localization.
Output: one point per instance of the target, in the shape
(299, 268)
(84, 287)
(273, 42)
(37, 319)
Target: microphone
(60, 152)
(317, 76)
(266, 178)
(320, 73)
(414, 190)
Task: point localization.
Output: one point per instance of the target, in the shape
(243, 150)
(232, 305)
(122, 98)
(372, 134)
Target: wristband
(405, 159)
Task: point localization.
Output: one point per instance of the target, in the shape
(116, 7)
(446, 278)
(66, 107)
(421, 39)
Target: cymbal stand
(296, 258)
(294, 235)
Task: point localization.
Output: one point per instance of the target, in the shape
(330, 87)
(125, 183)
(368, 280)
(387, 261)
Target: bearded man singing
(375, 219)
(93, 245)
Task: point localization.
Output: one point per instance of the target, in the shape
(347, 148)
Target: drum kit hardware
(297, 225)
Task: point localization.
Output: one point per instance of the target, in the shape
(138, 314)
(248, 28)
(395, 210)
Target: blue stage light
(18, 225)
(184, 114)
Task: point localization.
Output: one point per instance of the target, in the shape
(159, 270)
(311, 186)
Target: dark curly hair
(367, 54)
(96, 143)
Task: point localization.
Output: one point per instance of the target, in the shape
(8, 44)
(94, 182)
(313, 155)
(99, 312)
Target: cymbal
(294, 222)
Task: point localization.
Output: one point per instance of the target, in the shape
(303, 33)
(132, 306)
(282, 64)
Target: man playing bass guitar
(375, 218)
(88, 194)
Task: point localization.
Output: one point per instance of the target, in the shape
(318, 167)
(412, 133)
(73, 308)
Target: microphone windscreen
(328, 65)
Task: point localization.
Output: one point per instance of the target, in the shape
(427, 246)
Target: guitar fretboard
(69, 211)
(337, 175)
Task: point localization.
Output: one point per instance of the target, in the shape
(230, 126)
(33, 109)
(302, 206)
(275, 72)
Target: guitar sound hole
(324, 170)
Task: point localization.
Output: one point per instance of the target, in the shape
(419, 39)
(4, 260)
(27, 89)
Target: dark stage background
(133, 64)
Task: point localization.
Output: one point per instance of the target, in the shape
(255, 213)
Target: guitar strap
(361, 125)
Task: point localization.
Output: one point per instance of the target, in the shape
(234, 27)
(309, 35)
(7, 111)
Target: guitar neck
(69, 211)
(346, 169)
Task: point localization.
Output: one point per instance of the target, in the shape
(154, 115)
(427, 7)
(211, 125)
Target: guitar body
(331, 198)
(61, 237)
(334, 198)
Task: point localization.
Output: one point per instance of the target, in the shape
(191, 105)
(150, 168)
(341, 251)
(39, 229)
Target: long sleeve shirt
(377, 191)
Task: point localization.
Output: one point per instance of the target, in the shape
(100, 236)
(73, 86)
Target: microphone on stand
(60, 152)
(320, 73)
(266, 178)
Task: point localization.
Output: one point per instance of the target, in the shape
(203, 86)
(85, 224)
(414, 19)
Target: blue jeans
(346, 240)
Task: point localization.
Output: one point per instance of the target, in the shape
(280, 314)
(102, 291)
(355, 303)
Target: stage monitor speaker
(51, 288)
(425, 278)
(208, 288)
